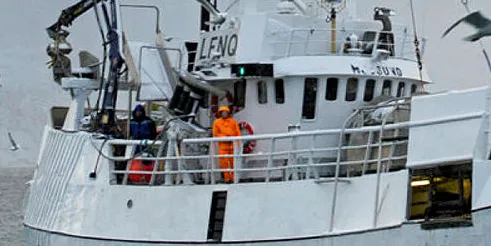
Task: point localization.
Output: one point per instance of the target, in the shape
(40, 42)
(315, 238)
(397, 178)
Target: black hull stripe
(210, 242)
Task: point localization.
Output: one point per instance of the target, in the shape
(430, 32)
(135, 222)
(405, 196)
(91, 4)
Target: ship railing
(301, 158)
(318, 42)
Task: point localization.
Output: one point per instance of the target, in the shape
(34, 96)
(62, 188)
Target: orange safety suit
(226, 128)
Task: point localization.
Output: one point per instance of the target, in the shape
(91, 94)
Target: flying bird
(478, 21)
(14, 146)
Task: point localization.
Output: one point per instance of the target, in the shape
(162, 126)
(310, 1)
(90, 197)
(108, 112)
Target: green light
(241, 71)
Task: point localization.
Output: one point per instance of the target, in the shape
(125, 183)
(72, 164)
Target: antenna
(416, 48)
(466, 6)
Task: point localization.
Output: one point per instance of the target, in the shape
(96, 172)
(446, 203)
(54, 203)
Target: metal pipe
(257, 169)
(338, 163)
(379, 163)
(300, 5)
(157, 10)
(130, 106)
(219, 17)
(421, 123)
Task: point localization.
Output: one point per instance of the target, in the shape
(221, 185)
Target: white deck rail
(317, 42)
(177, 164)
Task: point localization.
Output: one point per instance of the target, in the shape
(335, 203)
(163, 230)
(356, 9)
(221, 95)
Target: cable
(134, 156)
(104, 45)
(144, 142)
(93, 174)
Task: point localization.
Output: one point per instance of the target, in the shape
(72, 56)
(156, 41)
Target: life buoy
(246, 128)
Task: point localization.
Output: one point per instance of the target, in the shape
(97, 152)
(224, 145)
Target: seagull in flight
(478, 21)
(14, 146)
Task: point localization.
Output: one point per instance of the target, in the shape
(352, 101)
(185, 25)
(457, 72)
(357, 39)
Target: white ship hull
(403, 235)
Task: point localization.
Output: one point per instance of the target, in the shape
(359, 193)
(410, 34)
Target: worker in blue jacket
(142, 126)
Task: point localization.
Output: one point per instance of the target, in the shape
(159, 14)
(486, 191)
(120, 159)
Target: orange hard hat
(224, 108)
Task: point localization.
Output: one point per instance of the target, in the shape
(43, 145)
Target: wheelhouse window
(387, 88)
(351, 89)
(401, 88)
(240, 93)
(262, 92)
(332, 89)
(309, 98)
(279, 88)
(440, 193)
(369, 90)
(367, 42)
(413, 89)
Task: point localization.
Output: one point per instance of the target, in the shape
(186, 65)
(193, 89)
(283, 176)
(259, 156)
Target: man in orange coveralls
(226, 126)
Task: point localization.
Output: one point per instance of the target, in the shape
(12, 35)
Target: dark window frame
(414, 89)
(351, 96)
(239, 98)
(401, 90)
(387, 82)
(367, 97)
(262, 92)
(279, 90)
(332, 86)
(309, 104)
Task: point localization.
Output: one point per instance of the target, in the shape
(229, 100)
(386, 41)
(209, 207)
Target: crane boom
(111, 14)
(69, 14)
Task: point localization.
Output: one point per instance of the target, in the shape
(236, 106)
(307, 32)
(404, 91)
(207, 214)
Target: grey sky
(28, 92)
(451, 62)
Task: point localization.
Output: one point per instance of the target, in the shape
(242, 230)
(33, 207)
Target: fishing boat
(341, 143)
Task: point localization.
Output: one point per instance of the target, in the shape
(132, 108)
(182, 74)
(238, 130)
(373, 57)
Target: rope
(466, 6)
(416, 48)
(144, 143)
(134, 156)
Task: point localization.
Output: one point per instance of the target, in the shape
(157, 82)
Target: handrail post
(179, 177)
(338, 162)
(212, 154)
(379, 164)
(368, 151)
(311, 159)
(169, 166)
(237, 159)
(289, 45)
(292, 158)
(307, 40)
(128, 165)
(392, 150)
(270, 159)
